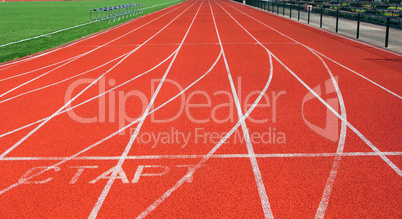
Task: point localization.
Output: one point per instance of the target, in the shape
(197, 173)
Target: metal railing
(115, 12)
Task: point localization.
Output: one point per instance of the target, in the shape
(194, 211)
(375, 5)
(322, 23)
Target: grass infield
(22, 20)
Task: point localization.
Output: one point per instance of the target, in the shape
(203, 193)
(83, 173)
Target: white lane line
(80, 93)
(161, 4)
(362, 76)
(22, 60)
(358, 74)
(341, 144)
(266, 206)
(46, 34)
(361, 136)
(115, 133)
(206, 157)
(111, 180)
(84, 54)
(199, 156)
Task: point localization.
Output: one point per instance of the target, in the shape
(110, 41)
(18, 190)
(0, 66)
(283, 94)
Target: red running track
(204, 109)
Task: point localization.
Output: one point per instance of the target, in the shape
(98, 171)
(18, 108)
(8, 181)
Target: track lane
(291, 173)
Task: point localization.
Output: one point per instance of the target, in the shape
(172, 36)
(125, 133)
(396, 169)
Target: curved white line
(341, 143)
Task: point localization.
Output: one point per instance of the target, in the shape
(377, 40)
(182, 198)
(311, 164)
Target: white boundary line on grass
(46, 34)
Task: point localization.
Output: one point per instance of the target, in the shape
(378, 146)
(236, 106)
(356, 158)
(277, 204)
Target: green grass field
(22, 20)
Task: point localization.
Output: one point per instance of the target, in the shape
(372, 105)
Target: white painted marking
(134, 122)
(362, 76)
(80, 170)
(188, 175)
(197, 44)
(24, 178)
(361, 136)
(140, 169)
(160, 4)
(44, 74)
(116, 172)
